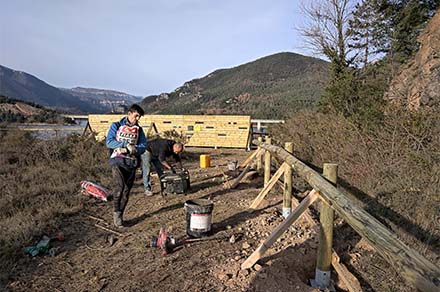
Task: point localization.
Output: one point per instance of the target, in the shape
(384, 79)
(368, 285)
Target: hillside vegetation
(16, 111)
(388, 159)
(388, 153)
(39, 182)
(275, 87)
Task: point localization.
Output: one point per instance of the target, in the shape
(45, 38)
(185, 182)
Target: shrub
(39, 180)
(394, 168)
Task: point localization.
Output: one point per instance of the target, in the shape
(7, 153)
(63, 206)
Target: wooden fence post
(259, 159)
(279, 230)
(326, 216)
(267, 157)
(409, 263)
(287, 200)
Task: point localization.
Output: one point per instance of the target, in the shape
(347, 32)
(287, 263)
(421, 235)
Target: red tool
(164, 242)
(94, 189)
(168, 243)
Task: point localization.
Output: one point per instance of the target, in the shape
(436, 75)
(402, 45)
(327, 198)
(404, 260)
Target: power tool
(164, 242)
(175, 183)
(167, 243)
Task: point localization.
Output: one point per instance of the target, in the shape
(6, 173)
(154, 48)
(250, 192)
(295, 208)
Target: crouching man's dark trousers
(124, 182)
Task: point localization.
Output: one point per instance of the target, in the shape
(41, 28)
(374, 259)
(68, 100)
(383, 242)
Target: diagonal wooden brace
(250, 158)
(152, 127)
(259, 252)
(268, 187)
(246, 169)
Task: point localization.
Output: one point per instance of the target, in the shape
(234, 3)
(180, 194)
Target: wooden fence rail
(417, 270)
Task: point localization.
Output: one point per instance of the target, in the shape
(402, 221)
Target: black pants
(124, 182)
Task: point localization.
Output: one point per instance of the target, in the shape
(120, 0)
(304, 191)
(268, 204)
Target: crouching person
(157, 152)
(126, 141)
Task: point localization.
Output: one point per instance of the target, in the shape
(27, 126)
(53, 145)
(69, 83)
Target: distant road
(76, 117)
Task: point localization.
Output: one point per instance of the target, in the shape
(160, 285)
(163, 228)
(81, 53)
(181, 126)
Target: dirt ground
(87, 261)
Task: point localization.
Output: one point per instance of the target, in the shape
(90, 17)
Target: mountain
(106, 100)
(26, 87)
(275, 87)
(23, 86)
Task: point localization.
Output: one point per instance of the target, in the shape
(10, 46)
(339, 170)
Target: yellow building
(200, 130)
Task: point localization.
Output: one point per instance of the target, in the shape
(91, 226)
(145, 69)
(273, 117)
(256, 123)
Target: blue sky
(141, 47)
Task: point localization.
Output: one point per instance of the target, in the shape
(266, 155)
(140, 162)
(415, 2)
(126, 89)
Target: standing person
(156, 153)
(127, 142)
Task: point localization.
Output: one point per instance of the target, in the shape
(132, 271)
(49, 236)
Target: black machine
(175, 183)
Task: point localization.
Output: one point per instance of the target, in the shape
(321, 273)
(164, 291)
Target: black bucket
(198, 217)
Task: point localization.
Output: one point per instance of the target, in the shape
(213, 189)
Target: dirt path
(87, 262)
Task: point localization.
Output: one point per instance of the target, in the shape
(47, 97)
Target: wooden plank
(259, 161)
(347, 278)
(267, 160)
(261, 250)
(287, 198)
(268, 187)
(326, 217)
(415, 268)
(251, 157)
(245, 170)
(152, 127)
(306, 215)
(228, 125)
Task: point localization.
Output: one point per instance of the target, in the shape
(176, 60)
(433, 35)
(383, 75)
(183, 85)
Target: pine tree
(369, 29)
(406, 19)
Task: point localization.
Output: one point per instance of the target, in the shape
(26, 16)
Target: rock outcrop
(418, 83)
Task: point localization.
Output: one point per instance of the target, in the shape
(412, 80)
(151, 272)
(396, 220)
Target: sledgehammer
(168, 243)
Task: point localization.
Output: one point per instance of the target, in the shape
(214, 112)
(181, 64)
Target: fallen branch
(109, 230)
(96, 218)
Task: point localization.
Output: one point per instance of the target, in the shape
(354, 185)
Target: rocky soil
(94, 259)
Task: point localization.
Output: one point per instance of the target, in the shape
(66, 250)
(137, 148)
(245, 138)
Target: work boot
(117, 219)
(148, 193)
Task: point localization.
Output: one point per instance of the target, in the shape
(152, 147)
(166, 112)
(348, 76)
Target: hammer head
(164, 242)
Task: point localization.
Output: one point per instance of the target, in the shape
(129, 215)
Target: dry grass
(39, 180)
(393, 169)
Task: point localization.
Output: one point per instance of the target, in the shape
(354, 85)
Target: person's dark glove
(173, 169)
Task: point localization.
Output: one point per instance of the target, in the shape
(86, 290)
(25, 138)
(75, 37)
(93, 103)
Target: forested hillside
(16, 111)
(387, 152)
(275, 86)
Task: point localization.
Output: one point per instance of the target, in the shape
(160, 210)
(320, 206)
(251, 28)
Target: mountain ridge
(289, 81)
(27, 87)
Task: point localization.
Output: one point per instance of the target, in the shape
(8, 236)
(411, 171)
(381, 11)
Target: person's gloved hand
(131, 149)
(121, 150)
(173, 169)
